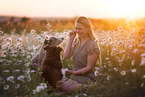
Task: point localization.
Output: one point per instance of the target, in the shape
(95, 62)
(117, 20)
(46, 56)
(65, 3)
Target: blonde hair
(88, 25)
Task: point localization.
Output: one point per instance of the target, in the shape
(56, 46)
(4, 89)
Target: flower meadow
(120, 74)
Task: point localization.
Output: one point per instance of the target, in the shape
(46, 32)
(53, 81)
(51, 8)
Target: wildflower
(32, 31)
(115, 69)
(143, 76)
(19, 61)
(119, 28)
(120, 60)
(133, 70)
(34, 91)
(130, 47)
(32, 53)
(6, 87)
(108, 77)
(35, 64)
(143, 59)
(64, 70)
(3, 55)
(11, 78)
(33, 71)
(29, 78)
(107, 58)
(39, 88)
(21, 78)
(122, 51)
(1, 32)
(133, 62)
(96, 73)
(143, 55)
(123, 73)
(142, 84)
(85, 94)
(105, 66)
(6, 71)
(97, 68)
(17, 70)
(109, 39)
(26, 64)
(120, 43)
(34, 47)
(136, 50)
(1, 60)
(127, 83)
(17, 86)
(44, 85)
(48, 25)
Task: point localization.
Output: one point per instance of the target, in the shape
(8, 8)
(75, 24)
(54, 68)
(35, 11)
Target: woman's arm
(68, 50)
(91, 61)
(69, 47)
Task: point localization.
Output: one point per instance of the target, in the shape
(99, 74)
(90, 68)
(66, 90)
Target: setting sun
(127, 8)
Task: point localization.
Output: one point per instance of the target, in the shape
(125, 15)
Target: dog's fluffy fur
(52, 65)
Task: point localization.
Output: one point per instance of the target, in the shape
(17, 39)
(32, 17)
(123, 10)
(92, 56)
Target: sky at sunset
(71, 8)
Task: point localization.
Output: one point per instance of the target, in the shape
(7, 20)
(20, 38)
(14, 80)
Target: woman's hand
(72, 34)
(69, 72)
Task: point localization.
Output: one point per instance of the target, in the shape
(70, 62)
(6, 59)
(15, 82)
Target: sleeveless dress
(80, 60)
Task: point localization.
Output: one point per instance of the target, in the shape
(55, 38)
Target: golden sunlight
(127, 8)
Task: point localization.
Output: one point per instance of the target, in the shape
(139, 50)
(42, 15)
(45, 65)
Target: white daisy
(17, 86)
(133, 62)
(133, 70)
(34, 91)
(108, 77)
(6, 87)
(85, 94)
(21, 78)
(32, 31)
(10, 78)
(44, 85)
(39, 88)
(48, 25)
(115, 69)
(123, 73)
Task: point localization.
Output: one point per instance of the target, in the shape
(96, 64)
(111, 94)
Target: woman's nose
(76, 30)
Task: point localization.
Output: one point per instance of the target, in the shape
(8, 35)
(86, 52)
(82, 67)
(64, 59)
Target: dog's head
(53, 50)
(53, 41)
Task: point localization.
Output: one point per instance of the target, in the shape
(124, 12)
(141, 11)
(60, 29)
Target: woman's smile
(80, 30)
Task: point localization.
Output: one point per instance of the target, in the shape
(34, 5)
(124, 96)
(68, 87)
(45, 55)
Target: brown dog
(36, 61)
(52, 65)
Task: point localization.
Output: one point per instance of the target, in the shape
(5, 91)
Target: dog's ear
(45, 41)
(49, 41)
(60, 48)
(46, 47)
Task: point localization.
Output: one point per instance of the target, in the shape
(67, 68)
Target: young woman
(85, 54)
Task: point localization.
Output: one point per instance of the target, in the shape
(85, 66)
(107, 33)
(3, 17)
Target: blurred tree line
(28, 24)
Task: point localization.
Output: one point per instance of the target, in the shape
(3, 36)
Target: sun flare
(127, 8)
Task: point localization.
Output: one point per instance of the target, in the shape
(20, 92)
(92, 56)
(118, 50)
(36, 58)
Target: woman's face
(81, 30)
